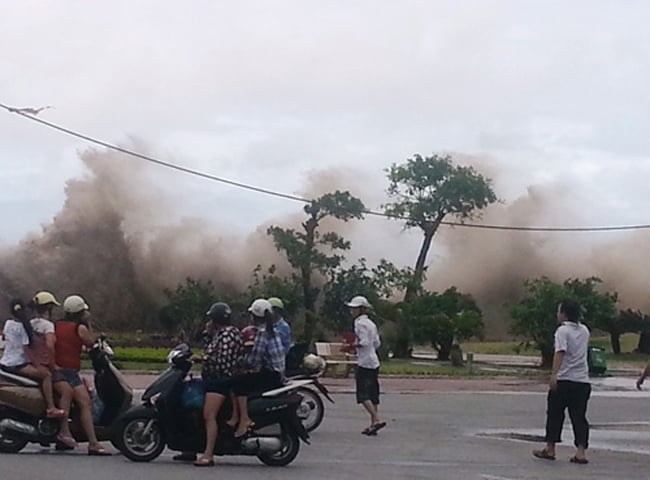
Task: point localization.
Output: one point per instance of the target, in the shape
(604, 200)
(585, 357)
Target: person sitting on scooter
(265, 363)
(280, 324)
(219, 361)
(18, 334)
(72, 334)
(41, 353)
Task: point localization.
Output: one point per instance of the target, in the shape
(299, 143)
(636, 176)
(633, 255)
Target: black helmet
(219, 312)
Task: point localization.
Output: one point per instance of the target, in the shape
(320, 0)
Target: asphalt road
(445, 435)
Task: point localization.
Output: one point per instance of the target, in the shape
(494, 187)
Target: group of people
(50, 352)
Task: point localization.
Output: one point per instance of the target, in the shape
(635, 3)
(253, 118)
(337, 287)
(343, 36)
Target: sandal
(378, 426)
(543, 454)
(185, 457)
(369, 431)
(54, 413)
(204, 462)
(249, 429)
(98, 452)
(67, 442)
(581, 461)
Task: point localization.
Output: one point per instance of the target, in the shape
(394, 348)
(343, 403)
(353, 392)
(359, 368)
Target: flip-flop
(543, 454)
(369, 431)
(184, 457)
(249, 429)
(581, 461)
(378, 426)
(204, 462)
(99, 452)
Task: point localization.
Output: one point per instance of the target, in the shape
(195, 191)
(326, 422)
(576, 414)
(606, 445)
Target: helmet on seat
(313, 362)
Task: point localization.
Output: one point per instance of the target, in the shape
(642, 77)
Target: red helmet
(249, 333)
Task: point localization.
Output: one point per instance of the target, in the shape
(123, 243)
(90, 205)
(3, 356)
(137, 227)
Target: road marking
(495, 477)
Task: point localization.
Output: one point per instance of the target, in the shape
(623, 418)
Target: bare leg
(213, 402)
(81, 398)
(45, 377)
(234, 417)
(65, 400)
(245, 421)
(372, 410)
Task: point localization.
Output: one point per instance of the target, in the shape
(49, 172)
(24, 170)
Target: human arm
(558, 358)
(86, 335)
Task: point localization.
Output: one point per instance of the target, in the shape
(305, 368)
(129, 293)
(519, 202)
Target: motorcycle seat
(15, 378)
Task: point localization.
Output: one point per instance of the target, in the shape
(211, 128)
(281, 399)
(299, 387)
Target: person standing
(367, 342)
(569, 386)
(280, 324)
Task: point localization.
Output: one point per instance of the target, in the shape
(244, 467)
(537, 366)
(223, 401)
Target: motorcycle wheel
(288, 452)
(11, 444)
(138, 445)
(311, 410)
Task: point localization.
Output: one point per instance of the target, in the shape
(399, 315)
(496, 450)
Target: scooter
(167, 419)
(22, 407)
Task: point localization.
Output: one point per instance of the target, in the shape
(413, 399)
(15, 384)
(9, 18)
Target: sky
(547, 95)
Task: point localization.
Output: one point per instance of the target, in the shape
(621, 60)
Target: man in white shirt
(367, 374)
(569, 384)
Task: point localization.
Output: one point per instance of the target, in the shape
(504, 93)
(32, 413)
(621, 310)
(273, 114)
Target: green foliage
(269, 284)
(310, 251)
(534, 316)
(376, 283)
(426, 190)
(444, 318)
(186, 306)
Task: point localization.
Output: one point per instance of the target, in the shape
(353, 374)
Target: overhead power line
(30, 113)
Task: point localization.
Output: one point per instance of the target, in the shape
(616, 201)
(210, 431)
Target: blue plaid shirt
(267, 352)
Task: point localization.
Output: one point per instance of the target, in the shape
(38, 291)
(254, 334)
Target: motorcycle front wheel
(141, 439)
(311, 409)
(288, 452)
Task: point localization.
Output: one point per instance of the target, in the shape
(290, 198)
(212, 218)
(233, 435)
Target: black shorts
(261, 381)
(71, 376)
(222, 386)
(367, 380)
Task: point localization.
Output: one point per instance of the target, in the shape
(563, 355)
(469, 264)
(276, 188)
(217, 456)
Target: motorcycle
(303, 372)
(167, 419)
(22, 407)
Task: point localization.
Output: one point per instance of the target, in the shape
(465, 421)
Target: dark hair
(571, 309)
(40, 308)
(77, 317)
(18, 310)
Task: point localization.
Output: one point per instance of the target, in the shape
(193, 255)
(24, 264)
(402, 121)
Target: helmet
(16, 306)
(74, 304)
(313, 362)
(259, 307)
(248, 335)
(359, 301)
(276, 302)
(44, 298)
(219, 311)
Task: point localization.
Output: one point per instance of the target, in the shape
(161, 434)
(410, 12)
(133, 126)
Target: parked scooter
(22, 407)
(166, 418)
(303, 372)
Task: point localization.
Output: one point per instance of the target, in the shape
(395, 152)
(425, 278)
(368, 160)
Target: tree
(534, 316)
(269, 284)
(186, 306)
(304, 248)
(376, 284)
(426, 190)
(444, 318)
(630, 321)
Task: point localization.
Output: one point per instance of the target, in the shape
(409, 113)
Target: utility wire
(27, 113)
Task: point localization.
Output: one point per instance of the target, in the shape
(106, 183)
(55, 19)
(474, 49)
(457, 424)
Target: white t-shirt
(573, 339)
(15, 341)
(42, 326)
(368, 341)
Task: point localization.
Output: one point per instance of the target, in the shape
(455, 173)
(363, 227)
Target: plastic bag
(193, 394)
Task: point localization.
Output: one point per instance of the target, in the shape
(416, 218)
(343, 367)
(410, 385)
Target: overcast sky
(271, 92)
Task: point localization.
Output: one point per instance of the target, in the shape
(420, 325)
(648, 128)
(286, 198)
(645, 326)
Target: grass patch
(407, 368)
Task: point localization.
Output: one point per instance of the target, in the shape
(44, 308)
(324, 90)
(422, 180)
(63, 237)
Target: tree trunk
(444, 350)
(307, 290)
(644, 343)
(415, 284)
(616, 343)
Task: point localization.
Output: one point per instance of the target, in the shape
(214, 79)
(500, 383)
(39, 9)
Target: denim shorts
(71, 376)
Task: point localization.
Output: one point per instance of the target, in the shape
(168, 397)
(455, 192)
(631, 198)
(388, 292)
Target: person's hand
(553, 382)
(639, 382)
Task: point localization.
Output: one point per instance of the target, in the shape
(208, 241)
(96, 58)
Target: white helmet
(74, 304)
(313, 362)
(259, 307)
(359, 301)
